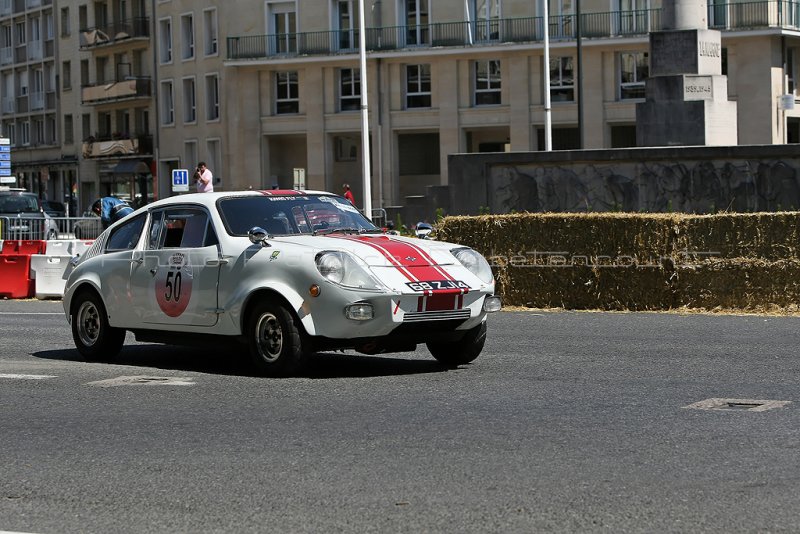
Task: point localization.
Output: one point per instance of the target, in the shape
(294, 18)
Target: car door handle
(154, 270)
(138, 261)
(212, 263)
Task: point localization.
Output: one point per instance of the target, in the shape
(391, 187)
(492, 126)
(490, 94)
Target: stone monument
(686, 95)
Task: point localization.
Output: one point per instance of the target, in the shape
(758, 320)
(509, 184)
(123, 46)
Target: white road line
(26, 377)
(13, 532)
(30, 313)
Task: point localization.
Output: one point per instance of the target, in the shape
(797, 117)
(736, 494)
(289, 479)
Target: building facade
(269, 91)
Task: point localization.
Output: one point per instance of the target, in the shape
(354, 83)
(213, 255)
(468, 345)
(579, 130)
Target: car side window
(181, 228)
(126, 236)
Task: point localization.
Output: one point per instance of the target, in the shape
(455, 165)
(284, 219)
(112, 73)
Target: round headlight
(331, 266)
(475, 263)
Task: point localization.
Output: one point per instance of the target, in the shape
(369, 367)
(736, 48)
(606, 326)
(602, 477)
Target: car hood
(383, 250)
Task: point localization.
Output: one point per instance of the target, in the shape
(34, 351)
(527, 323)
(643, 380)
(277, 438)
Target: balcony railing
(519, 30)
(124, 146)
(734, 15)
(112, 91)
(6, 55)
(5, 7)
(8, 105)
(113, 33)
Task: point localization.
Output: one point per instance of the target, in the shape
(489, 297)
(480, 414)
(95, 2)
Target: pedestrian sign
(180, 180)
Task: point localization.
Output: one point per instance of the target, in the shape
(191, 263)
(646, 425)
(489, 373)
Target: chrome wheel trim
(269, 337)
(88, 323)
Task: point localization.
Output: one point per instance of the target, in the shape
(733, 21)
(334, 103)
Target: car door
(175, 275)
(116, 269)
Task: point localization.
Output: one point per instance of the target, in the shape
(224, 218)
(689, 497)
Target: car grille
(442, 315)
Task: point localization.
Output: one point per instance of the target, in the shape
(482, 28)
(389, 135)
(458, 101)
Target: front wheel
(95, 339)
(462, 351)
(274, 340)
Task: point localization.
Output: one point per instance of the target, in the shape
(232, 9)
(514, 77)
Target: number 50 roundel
(174, 285)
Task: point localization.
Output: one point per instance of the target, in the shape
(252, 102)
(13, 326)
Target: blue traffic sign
(5, 164)
(5, 157)
(5, 172)
(5, 148)
(180, 180)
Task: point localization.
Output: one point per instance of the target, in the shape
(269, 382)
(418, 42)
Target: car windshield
(18, 204)
(292, 214)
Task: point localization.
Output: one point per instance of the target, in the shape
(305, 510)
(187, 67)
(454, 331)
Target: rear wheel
(95, 339)
(462, 351)
(274, 340)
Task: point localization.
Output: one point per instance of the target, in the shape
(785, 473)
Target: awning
(131, 166)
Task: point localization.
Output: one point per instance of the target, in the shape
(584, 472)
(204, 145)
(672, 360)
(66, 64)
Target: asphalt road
(568, 422)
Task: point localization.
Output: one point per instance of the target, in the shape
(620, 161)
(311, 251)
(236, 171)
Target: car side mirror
(258, 235)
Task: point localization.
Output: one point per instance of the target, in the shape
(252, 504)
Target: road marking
(745, 405)
(30, 313)
(13, 532)
(26, 377)
(143, 381)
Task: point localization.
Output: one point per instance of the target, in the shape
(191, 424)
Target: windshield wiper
(345, 230)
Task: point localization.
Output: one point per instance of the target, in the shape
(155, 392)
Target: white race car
(286, 272)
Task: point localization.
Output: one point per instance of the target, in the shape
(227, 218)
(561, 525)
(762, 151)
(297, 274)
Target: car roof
(209, 199)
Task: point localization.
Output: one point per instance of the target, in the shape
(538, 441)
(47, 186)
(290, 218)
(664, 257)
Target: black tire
(94, 338)
(274, 340)
(462, 351)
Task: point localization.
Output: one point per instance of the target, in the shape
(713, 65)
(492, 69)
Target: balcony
(5, 8)
(8, 105)
(115, 91)
(6, 55)
(115, 33)
(614, 24)
(117, 145)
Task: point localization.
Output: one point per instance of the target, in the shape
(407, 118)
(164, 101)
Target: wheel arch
(305, 324)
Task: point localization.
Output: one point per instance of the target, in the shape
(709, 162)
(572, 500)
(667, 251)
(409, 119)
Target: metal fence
(43, 228)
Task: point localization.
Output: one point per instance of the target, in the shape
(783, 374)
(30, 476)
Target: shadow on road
(236, 363)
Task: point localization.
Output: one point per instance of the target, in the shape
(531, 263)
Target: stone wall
(674, 179)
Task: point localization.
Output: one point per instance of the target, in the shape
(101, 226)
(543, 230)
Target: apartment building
(190, 72)
(28, 96)
(109, 96)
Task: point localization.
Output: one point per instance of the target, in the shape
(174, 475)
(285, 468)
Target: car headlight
(475, 263)
(340, 268)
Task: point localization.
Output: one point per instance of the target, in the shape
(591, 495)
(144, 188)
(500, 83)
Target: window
(634, 68)
(84, 72)
(5, 36)
(126, 237)
(210, 44)
(212, 97)
(23, 83)
(286, 93)
(65, 28)
(181, 228)
(25, 133)
(487, 83)
(167, 104)
(66, 75)
(346, 25)
(418, 86)
(165, 40)
(49, 30)
(417, 31)
(69, 133)
(189, 101)
(190, 153)
(86, 126)
(349, 90)
(187, 36)
(562, 88)
(10, 130)
(283, 27)
(487, 19)
(20, 27)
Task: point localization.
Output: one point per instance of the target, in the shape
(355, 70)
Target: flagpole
(548, 125)
(362, 50)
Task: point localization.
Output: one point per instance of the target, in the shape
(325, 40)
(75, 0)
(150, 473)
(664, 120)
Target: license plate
(436, 285)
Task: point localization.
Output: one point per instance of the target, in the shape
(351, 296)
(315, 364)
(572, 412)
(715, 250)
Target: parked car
(53, 208)
(22, 217)
(285, 273)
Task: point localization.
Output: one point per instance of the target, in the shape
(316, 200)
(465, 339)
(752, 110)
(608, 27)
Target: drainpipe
(154, 40)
